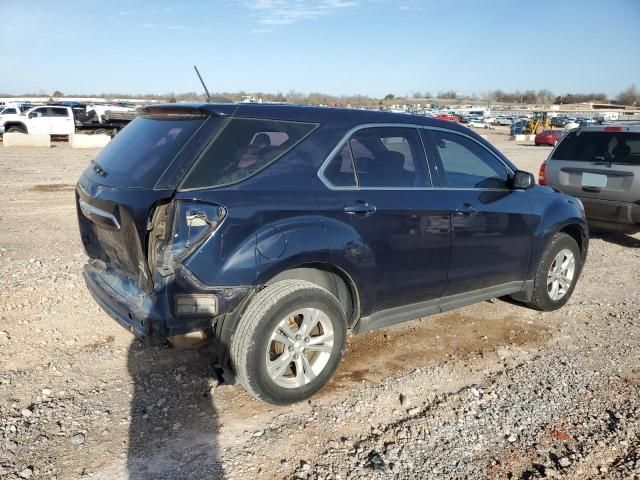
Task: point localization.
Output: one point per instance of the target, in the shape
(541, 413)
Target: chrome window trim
(350, 132)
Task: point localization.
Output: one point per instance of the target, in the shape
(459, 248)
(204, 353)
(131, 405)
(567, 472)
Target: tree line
(629, 96)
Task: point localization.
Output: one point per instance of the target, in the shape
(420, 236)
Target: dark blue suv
(272, 230)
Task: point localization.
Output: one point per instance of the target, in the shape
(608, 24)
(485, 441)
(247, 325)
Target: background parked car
(559, 122)
(447, 116)
(549, 137)
(601, 166)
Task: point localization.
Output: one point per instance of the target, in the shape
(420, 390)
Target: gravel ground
(494, 390)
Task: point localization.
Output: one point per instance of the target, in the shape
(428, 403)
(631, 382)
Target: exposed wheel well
(18, 125)
(329, 278)
(576, 232)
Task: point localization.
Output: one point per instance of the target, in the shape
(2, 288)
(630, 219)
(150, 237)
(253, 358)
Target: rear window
(142, 151)
(243, 148)
(614, 147)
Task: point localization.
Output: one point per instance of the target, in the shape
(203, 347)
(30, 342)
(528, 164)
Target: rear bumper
(611, 212)
(137, 317)
(150, 316)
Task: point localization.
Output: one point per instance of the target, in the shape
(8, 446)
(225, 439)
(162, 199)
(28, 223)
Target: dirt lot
(495, 390)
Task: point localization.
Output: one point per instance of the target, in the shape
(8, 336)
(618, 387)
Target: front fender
(557, 212)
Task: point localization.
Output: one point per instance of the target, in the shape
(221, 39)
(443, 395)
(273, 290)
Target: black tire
(15, 130)
(541, 299)
(101, 131)
(250, 344)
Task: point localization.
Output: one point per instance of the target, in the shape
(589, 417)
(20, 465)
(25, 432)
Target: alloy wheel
(561, 273)
(299, 348)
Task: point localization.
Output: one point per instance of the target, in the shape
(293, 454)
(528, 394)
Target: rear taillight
(613, 129)
(542, 176)
(185, 227)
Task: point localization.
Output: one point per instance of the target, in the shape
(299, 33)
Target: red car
(549, 137)
(448, 117)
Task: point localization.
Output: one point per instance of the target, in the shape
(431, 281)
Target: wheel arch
(20, 125)
(327, 276)
(577, 232)
(331, 278)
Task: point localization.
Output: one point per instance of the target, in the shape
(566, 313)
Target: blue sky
(371, 47)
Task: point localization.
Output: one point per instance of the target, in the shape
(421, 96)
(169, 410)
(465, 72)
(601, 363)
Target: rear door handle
(466, 210)
(360, 209)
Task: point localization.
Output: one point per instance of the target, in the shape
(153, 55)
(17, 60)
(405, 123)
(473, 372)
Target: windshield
(142, 151)
(610, 147)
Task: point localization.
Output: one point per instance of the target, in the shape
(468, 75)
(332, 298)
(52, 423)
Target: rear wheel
(557, 274)
(289, 342)
(15, 130)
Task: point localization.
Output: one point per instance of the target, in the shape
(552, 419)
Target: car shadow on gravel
(173, 427)
(618, 238)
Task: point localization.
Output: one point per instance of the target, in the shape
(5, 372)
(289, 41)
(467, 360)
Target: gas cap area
(271, 243)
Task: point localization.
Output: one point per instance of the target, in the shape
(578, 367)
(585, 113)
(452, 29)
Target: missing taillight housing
(179, 228)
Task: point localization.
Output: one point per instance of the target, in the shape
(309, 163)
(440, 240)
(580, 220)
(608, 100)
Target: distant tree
(57, 94)
(629, 96)
(172, 99)
(448, 95)
(544, 96)
(389, 96)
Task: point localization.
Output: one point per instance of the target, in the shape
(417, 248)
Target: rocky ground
(495, 390)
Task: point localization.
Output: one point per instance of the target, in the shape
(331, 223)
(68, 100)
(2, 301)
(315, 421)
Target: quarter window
(466, 164)
(244, 147)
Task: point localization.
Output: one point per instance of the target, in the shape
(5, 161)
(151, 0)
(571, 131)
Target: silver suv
(601, 166)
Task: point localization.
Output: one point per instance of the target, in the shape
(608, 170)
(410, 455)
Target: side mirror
(32, 115)
(523, 180)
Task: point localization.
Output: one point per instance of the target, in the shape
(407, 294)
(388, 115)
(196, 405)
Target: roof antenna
(202, 82)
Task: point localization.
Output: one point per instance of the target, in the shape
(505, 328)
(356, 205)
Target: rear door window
(600, 146)
(383, 157)
(340, 171)
(243, 148)
(59, 112)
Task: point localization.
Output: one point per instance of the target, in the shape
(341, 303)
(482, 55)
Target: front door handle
(360, 209)
(466, 210)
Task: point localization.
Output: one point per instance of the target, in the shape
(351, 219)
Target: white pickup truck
(57, 120)
(43, 119)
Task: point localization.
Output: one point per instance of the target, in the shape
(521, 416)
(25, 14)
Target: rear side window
(244, 147)
(614, 147)
(142, 151)
(384, 157)
(59, 112)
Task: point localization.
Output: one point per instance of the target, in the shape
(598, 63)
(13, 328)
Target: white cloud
(259, 31)
(286, 12)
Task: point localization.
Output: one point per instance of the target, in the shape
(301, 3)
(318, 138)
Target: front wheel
(557, 274)
(289, 342)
